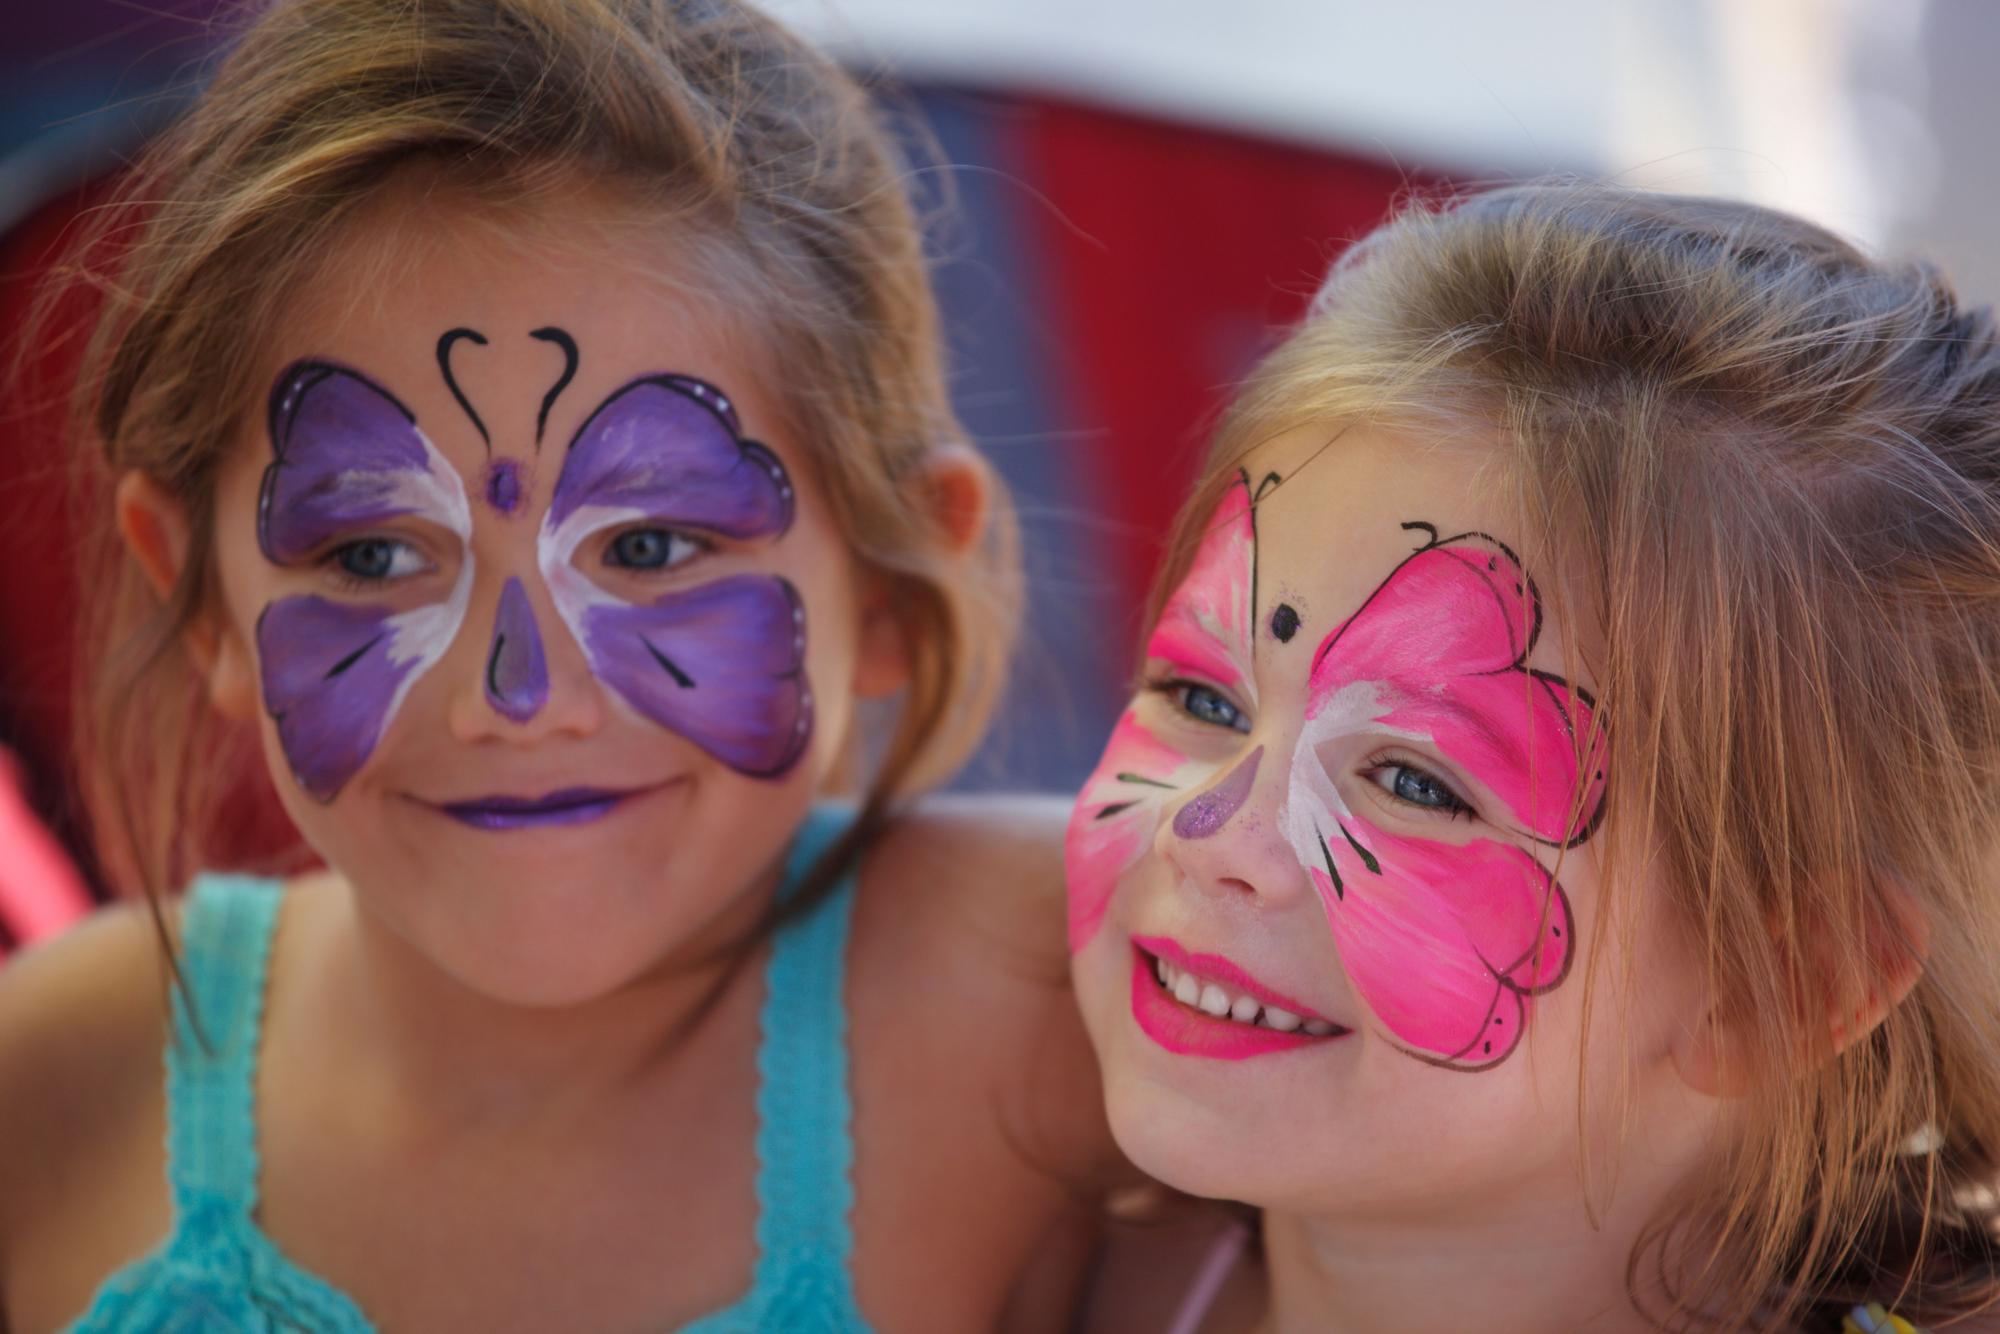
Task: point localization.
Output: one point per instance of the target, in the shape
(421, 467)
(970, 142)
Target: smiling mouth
(1203, 1005)
(570, 806)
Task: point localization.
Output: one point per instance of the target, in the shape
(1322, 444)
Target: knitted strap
(212, 1058)
(804, 1148)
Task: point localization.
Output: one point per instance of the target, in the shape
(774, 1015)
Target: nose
(1228, 837)
(530, 685)
(517, 672)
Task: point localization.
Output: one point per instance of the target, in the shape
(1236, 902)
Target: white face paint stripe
(425, 634)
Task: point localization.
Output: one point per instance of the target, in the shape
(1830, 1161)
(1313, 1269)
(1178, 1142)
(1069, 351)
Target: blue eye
(377, 559)
(1211, 706)
(650, 549)
(1410, 784)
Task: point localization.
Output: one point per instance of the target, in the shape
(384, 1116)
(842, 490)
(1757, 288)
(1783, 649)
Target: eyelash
(697, 547)
(1176, 689)
(1376, 764)
(349, 582)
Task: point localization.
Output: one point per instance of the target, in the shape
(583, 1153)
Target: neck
(447, 1058)
(1502, 1276)
(1521, 1262)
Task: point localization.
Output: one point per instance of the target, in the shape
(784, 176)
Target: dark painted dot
(1498, 1020)
(1285, 622)
(1489, 1048)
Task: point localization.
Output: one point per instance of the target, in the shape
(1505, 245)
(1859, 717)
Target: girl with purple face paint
(528, 433)
(1548, 870)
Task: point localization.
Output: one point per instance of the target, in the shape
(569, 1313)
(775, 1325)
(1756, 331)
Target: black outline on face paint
(549, 333)
(1549, 681)
(301, 377)
(1556, 895)
(445, 342)
(712, 401)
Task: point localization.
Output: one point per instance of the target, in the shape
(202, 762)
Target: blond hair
(704, 112)
(1776, 464)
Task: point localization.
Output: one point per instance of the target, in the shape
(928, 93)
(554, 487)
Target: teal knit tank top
(217, 1270)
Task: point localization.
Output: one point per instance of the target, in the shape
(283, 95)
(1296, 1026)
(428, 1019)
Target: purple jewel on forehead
(503, 486)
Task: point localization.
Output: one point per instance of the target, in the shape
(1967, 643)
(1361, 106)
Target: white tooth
(1214, 1000)
(1244, 1011)
(1186, 990)
(1319, 1028)
(1282, 1020)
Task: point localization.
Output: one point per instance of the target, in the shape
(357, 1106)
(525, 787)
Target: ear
(156, 529)
(956, 486)
(1716, 1058)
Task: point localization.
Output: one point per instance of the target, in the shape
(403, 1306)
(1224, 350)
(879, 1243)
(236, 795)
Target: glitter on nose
(1209, 811)
(503, 486)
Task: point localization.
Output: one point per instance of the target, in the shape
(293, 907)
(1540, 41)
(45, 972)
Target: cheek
(334, 676)
(1116, 817)
(1446, 943)
(722, 664)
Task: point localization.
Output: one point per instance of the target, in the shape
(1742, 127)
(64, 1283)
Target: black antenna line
(445, 342)
(551, 334)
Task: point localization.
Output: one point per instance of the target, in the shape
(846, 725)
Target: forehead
(415, 265)
(1332, 527)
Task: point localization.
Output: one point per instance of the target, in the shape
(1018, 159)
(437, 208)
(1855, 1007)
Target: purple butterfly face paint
(721, 663)
(347, 455)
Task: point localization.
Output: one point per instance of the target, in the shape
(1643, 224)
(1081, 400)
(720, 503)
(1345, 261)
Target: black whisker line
(446, 340)
(350, 659)
(1149, 782)
(1115, 808)
(681, 678)
(493, 666)
(1367, 857)
(551, 334)
(1339, 890)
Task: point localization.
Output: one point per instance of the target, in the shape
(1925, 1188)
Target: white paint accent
(1355, 707)
(424, 635)
(573, 591)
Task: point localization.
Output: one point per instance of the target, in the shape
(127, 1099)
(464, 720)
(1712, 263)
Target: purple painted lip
(576, 805)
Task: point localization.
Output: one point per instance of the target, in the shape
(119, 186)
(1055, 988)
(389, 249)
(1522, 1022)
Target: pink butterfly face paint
(1204, 633)
(1447, 942)
(347, 455)
(1448, 937)
(720, 663)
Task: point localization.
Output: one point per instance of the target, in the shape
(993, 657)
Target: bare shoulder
(987, 868)
(960, 925)
(82, 1020)
(82, 1023)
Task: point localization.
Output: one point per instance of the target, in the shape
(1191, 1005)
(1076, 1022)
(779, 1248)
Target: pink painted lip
(1216, 967)
(1187, 1032)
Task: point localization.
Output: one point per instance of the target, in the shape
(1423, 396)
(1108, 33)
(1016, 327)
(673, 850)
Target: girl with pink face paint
(1547, 866)
(526, 429)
